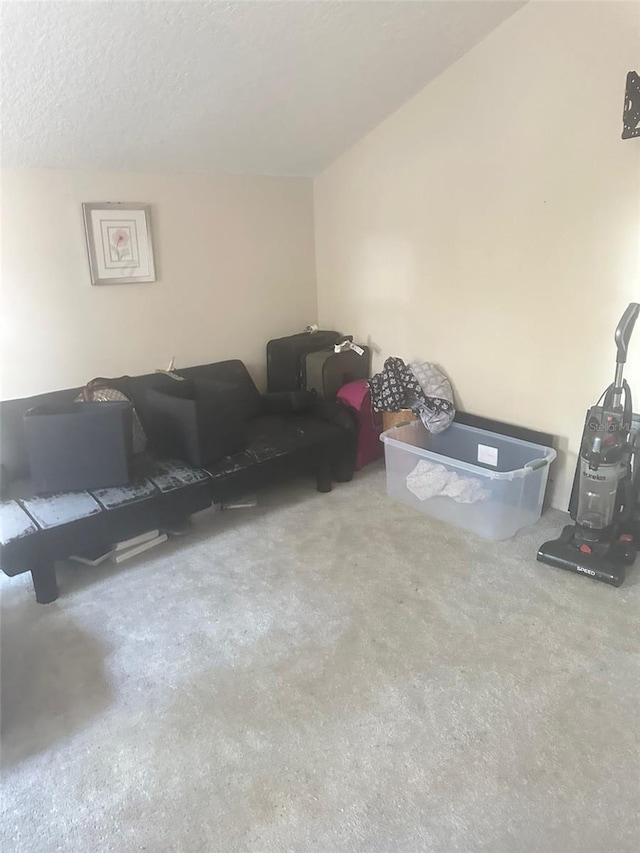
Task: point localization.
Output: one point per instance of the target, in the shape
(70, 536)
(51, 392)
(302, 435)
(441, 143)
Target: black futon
(279, 441)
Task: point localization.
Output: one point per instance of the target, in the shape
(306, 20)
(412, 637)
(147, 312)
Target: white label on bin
(488, 455)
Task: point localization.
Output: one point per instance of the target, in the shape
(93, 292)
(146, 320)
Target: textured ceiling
(252, 87)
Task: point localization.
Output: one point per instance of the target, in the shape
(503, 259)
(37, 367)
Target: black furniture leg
(45, 583)
(323, 478)
(343, 471)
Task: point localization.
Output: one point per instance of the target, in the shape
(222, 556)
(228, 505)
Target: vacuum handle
(624, 330)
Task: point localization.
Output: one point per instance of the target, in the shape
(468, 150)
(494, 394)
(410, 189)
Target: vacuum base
(563, 553)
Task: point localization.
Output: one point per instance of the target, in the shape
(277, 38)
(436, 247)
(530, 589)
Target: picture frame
(119, 242)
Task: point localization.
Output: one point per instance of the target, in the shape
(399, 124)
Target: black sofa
(281, 438)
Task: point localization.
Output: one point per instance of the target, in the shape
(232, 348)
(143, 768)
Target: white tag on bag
(345, 346)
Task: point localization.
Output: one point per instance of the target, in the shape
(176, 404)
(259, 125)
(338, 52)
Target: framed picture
(119, 242)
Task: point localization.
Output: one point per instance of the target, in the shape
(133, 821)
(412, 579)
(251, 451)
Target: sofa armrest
(345, 419)
(337, 414)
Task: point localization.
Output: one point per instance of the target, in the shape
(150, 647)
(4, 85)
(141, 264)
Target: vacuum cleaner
(605, 503)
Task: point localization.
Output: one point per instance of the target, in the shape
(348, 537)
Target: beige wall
(235, 263)
(492, 224)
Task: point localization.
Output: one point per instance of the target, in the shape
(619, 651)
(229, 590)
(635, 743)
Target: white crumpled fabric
(430, 479)
(440, 411)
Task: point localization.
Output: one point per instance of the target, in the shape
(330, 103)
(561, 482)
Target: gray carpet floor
(323, 673)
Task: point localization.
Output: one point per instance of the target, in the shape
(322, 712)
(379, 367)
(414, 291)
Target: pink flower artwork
(121, 242)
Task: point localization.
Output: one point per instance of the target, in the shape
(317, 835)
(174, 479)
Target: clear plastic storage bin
(481, 481)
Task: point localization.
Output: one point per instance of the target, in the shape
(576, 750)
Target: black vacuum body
(605, 503)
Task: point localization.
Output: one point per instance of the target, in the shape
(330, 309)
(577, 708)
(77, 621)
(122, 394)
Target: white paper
(488, 455)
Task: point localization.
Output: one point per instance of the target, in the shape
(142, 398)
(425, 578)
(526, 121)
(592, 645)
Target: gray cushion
(171, 474)
(120, 496)
(14, 523)
(64, 508)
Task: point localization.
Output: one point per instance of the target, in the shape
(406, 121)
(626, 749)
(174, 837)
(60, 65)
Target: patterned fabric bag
(428, 393)
(394, 388)
(103, 391)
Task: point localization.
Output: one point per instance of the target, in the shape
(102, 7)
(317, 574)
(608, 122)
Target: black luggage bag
(285, 358)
